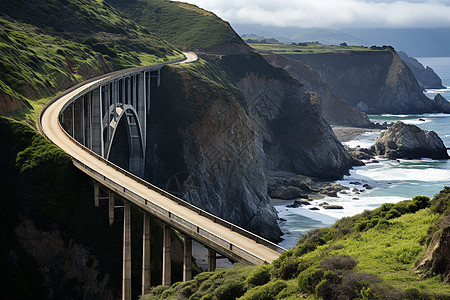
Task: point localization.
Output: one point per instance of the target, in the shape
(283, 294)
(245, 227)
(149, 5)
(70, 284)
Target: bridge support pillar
(111, 202)
(146, 270)
(126, 269)
(167, 263)
(96, 194)
(211, 260)
(187, 261)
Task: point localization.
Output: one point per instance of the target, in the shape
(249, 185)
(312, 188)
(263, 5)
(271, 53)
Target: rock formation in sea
(374, 82)
(426, 77)
(334, 109)
(409, 141)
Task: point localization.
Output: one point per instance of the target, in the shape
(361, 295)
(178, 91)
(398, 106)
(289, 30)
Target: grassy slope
(183, 25)
(310, 49)
(368, 256)
(48, 45)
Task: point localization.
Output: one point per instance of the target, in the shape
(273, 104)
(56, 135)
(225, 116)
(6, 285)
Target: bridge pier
(96, 194)
(146, 264)
(187, 259)
(211, 260)
(111, 203)
(167, 260)
(126, 268)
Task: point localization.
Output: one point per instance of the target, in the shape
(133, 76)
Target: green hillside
(184, 25)
(47, 46)
(369, 256)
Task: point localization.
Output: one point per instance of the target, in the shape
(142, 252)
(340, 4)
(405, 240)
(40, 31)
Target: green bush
(412, 294)
(261, 275)
(338, 262)
(441, 202)
(392, 213)
(309, 279)
(265, 292)
(230, 290)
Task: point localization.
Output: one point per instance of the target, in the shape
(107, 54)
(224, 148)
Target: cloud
(332, 13)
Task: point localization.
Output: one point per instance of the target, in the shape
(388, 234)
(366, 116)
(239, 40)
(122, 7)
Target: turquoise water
(391, 181)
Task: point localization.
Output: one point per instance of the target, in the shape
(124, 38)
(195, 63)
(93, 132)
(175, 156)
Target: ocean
(388, 181)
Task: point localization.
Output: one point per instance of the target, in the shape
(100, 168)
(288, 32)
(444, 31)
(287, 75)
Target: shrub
(412, 294)
(392, 213)
(338, 262)
(309, 279)
(441, 202)
(260, 275)
(265, 292)
(289, 269)
(230, 290)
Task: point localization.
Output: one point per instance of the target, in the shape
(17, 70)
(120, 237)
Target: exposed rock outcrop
(410, 142)
(290, 130)
(426, 77)
(372, 81)
(334, 109)
(437, 258)
(288, 193)
(9, 105)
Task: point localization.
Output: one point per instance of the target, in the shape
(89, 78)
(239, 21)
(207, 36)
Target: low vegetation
(368, 256)
(183, 25)
(48, 46)
(310, 48)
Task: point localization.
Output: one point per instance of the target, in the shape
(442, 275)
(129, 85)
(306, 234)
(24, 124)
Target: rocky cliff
(372, 81)
(334, 109)
(409, 141)
(226, 122)
(426, 77)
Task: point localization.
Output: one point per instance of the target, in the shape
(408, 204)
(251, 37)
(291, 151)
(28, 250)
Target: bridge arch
(126, 145)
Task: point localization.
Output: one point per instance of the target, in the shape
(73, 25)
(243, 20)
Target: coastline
(346, 134)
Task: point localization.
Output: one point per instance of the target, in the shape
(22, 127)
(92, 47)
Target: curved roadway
(51, 128)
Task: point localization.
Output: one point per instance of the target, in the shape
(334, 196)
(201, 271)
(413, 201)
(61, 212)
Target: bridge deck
(139, 193)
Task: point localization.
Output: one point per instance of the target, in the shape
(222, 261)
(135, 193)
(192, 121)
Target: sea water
(377, 183)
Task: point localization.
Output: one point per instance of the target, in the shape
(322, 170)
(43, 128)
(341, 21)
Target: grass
(345, 261)
(183, 25)
(46, 48)
(310, 49)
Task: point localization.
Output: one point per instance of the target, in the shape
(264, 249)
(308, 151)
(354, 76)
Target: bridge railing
(178, 200)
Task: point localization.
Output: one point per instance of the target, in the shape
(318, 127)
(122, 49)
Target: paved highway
(51, 128)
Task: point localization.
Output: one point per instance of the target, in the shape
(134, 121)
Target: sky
(334, 14)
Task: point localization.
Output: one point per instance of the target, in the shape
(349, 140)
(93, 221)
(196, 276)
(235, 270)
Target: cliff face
(372, 81)
(334, 109)
(291, 130)
(426, 77)
(234, 118)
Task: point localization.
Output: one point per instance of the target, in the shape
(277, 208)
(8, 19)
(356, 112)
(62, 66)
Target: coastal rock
(332, 189)
(426, 77)
(276, 179)
(440, 101)
(361, 153)
(299, 203)
(314, 208)
(333, 207)
(288, 193)
(410, 142)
